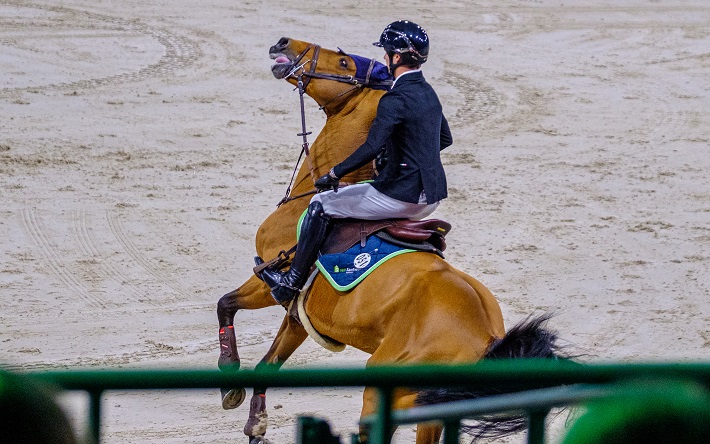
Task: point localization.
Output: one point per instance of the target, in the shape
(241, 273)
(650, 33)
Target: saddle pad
(345, 270)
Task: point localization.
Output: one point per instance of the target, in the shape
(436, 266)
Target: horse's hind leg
(290, 336)
(252, 295)
(401, 399)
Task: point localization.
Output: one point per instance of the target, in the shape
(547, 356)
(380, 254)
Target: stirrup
(276, 263)
(292, 292)
(260, 266)
(276, 286)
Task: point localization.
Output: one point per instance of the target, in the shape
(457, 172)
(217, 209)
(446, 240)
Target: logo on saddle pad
(345, 270)
(362, 260)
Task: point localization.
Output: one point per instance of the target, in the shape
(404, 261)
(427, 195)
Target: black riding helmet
(407, 39)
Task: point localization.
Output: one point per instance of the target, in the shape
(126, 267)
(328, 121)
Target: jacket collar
(409, 75)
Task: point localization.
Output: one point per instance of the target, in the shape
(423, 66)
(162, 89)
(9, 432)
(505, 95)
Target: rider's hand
(328, 181)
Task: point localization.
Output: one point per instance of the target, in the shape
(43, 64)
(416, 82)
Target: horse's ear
(340, 51)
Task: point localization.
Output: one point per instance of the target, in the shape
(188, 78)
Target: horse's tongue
(282, 59)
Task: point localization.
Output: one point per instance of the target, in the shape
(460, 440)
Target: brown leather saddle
(425, 235)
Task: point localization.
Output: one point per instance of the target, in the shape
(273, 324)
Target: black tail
(528, 339)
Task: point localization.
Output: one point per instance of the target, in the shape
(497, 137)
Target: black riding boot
(286, 285)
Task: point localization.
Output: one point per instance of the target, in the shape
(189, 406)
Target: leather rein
(301, 84)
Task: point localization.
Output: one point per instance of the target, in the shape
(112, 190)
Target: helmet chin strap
(392, 66)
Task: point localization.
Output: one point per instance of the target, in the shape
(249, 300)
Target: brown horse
(402, 313)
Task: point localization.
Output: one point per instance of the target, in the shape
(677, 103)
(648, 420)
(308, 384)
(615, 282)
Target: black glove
(328, 181)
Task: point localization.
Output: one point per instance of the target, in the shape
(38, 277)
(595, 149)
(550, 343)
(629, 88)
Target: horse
(404, 311)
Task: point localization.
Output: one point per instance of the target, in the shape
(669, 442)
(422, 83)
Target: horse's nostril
(283, 42)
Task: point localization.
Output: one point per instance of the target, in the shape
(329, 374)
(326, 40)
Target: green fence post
(381, 432)
(536, 426)
(95, 416)
(451, 432)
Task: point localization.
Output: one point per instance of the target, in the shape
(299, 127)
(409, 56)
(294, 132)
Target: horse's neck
(344, 131)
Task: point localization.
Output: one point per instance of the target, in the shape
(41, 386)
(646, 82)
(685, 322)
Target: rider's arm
(388, 115)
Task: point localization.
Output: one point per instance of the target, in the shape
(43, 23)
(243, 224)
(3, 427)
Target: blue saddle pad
(345, 270)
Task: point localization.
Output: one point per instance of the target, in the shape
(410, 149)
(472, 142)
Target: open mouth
(282, 65)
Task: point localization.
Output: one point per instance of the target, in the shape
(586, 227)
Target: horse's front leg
(290, 336)
(252, 295)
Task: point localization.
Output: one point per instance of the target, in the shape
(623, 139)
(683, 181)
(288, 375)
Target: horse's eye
(343, 62)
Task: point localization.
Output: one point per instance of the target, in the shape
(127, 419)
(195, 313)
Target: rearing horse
(403, 312)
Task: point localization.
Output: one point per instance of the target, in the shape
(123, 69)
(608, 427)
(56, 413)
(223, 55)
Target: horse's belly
(413, 308)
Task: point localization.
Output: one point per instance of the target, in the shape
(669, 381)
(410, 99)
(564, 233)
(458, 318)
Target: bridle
(303, 79)
(312, 74)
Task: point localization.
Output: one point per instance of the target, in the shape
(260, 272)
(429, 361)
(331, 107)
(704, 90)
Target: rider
(411, 129)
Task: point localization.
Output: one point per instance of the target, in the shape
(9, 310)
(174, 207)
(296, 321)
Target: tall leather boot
(286, 285)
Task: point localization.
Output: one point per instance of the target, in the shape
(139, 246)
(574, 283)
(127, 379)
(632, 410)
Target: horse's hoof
(232, 398)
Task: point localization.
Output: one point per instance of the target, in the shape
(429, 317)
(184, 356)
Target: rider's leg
(363, 201)
(359, 201)
(285, 286)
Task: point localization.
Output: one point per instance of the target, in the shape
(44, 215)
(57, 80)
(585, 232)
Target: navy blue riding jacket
(412, 129)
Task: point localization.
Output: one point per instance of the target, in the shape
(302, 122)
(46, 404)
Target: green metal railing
(546, 384)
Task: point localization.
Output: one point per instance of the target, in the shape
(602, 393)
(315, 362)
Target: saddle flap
(348, 232)
(419, 230)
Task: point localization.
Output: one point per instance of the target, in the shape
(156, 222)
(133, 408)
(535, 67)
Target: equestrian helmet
(405, 38)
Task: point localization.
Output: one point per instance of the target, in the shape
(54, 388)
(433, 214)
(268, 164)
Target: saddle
(425, 235)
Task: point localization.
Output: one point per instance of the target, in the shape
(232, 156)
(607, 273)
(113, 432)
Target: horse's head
(327, 75)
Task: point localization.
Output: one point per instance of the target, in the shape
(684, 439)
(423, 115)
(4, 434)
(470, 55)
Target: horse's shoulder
(278, 231)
